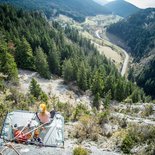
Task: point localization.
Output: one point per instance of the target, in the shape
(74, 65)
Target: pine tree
(7, 64)
(120, 90)
(68, 70)
(96, 101)
(35, 89)
(107, 99)
(24, 55)
(97, 84)
(54, 59)
(41, 63)
(109, 85)
(82, 77)
(136, 96)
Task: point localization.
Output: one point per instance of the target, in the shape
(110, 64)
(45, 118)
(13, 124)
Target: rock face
(111, 132)
(68, 150)
(54, 88)
(107, 130)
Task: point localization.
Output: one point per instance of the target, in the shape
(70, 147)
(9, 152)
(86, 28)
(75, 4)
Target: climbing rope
(24, 128)
(9, 146)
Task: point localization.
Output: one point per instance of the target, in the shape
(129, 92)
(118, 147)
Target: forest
(75, 9)
(28, 41)
(138, 32)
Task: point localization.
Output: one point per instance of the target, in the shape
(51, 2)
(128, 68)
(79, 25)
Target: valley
(62, 55)
(94, 28)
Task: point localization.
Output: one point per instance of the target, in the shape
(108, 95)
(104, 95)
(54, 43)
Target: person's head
(42, 108)
(36, 133)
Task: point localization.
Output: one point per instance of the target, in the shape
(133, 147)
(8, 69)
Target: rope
(35, 128)
(24, 128)
(1, 153)
(9, 146)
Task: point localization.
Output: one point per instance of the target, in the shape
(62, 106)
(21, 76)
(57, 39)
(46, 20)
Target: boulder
(107, 130)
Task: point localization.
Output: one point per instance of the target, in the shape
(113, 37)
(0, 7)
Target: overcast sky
(142, 3)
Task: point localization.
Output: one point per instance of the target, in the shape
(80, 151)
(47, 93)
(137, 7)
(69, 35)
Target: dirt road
(126, 61)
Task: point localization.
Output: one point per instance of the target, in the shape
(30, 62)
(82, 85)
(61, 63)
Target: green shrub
(87, 128)
(103, 117)
(37, 92)
(127, 144)
(80, 110)
(138, 135)
(80, 151)
(65, 108)
(148, 110)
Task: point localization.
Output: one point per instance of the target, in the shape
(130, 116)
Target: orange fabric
(20, 136)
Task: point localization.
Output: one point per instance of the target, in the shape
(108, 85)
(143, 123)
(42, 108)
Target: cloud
(141, 3)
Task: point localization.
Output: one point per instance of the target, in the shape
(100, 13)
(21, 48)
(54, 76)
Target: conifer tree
(68, 70)
(97, 84)
(41, 63)
(82, 77)
(7, 63)
(107, 99)
(34, 88)
(96, 101)
(119, 91)
(36, 91)
(24, 55)
(54, 59)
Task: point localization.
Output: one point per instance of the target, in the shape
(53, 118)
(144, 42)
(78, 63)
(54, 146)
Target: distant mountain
(101, 2)
(138, 32)
(121, 8)
(76, 9)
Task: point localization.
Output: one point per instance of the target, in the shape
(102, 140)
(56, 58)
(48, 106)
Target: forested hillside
(138, 32)
(76, 9)
(29, 42)
(146, 78)
(122, 8)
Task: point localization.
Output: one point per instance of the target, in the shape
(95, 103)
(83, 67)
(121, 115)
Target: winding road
(126, 61)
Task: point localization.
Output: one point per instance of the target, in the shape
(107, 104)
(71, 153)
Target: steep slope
(38, 46)
(77, 9)
(121, 8)
(146, 78)
(138, 32)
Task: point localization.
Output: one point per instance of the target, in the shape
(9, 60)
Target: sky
(142, 3)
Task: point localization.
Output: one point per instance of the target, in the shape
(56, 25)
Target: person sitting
(36, 137)
(43, 115)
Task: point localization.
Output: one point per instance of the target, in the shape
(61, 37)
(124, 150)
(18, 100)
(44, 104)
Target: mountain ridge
(121, 8)
(101, 2)
(75, 9)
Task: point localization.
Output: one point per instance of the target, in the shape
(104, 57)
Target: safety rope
(35, 129)
(9, 146)
(24, 128)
